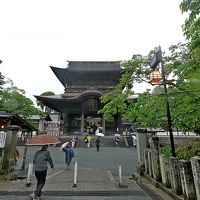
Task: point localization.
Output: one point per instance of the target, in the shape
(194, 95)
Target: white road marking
(111, 177)
(52, 175)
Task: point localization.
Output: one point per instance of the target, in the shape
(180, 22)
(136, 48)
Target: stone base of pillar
(187, 180)
(164, 168)
(175, 175)
(140, 168)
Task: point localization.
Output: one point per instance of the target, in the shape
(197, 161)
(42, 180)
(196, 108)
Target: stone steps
(106, 141)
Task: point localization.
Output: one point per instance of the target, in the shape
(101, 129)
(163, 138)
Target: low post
(120, 175)
(150, 163)
(75, 175)
(30, 171)
(146, 161)
(24, 158)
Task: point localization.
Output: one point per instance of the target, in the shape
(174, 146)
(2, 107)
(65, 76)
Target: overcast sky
(36, 34)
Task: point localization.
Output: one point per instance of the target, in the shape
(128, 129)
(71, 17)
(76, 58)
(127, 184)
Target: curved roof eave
(60, 74)
(76, 98)
(88, 74)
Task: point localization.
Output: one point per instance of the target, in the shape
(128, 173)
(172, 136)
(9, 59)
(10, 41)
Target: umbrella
(100, 128)
(64, 145)
(132, 134)
(117, 135)
(42, 139)
(134, 137)
(100, 134)
(85, 133)
(76, 133)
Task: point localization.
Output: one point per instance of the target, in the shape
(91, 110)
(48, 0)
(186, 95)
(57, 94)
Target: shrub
(189, 150)
(166, 151)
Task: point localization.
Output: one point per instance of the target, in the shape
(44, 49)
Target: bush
(166, 151)
(4, 175)
(185, 152)
(189, 150)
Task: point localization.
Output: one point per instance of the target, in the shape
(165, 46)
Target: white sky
(35, 34)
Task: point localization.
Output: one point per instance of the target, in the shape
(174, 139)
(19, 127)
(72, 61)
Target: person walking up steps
(97, 142)
(86, 141)
(117, 141)
(69, 153)
(40, 161)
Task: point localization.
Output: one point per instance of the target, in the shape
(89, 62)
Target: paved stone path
(97, 177)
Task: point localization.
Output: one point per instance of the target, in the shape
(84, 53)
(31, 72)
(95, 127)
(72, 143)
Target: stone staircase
(106, 141)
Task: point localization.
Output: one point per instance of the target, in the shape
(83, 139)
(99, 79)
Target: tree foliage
(116, 100)
(39, 103)
(182, 70)
(13, 100)
(191, 30)
(1, 81)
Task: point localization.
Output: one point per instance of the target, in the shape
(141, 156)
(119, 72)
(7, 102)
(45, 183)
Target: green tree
(191, 30)
(39, 103)
(1, 81)
(182, 71)
(13, 100)
(116, 101)
(134, 71)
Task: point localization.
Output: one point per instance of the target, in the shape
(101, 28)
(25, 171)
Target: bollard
(75, 175)
(30, 170)
(120, 175)
(120, 178)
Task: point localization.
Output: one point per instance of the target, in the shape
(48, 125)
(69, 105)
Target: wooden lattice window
(92, 104)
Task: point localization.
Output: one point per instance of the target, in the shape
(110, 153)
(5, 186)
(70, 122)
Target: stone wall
(178, 140)
(180, 176)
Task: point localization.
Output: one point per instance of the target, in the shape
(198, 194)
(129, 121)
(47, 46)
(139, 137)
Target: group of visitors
(87, 141)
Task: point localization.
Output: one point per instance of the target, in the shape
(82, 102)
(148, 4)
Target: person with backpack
(69, 153)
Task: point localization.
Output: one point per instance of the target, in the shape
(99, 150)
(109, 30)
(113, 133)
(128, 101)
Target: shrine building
(84, 83)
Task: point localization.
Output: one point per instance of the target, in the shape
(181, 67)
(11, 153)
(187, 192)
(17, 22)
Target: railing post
(120, 175)
(75, 175)
(30, 171)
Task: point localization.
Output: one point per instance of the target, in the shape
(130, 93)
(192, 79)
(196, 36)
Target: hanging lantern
(155, 77)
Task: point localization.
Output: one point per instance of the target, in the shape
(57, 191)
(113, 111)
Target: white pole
(120, 175)
(30, 170)
(75, 175)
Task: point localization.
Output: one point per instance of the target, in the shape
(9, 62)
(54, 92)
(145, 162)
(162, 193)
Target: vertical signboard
(52, 128)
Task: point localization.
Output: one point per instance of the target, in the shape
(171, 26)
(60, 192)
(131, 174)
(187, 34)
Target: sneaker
(68, 167)
(32, 196)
